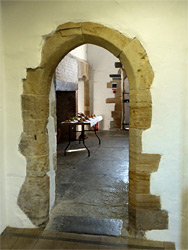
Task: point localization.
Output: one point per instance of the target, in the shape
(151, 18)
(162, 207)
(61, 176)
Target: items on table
(81, 117)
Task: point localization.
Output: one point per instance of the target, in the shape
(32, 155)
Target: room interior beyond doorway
(91, 193)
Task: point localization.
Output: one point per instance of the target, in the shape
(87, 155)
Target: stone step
(88, 225)
(36, 238)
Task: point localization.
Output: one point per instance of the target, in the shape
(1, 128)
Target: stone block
(65, 32)
(144, 201)
(37, 165)
(118, 107)
(169, 245)
(35, 107)
(58, 45)
(135, 140)
(140, 105)
(35, 83)
(104, 37)
(34, 145)
(139, 182)
(117, 123)
(148, 219)
(116, 114)
(34, 199)
(140, 98)
(140, 117)
(35, 126)
(136, 63)
(147, 163)
(28, 102)
(68, 26)
(109, 85)
(118, 93)
(110, 100)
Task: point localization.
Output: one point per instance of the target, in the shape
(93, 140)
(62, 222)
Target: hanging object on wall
(118, 65)
(114, 87)
(115, 76)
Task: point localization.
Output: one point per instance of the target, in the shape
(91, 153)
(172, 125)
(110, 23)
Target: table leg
(97, 135)
(84, 141)
(69, 140)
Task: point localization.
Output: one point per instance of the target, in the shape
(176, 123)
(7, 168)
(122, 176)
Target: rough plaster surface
(161, 26)
(52, 142)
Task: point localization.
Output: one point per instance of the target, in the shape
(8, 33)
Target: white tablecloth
(91, 121)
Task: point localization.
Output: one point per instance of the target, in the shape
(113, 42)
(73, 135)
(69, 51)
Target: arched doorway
(144, 208)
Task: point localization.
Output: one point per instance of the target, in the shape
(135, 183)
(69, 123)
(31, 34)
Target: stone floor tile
(45, 244)
(96, 226)
(111, 154)
(61, 189)
(113, 212)
(13, 230)
(25, 243)
(94, 181)
(105, 196)
(151, 243)
(7, 242)
(39, 239)
(169, 245)
(107, 167)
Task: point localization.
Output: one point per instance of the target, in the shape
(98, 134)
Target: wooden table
(91, 122)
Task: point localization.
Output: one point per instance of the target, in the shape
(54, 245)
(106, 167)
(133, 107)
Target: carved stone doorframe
(144, 208)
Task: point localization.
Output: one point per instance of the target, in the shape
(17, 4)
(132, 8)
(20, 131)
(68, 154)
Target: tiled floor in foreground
(15, 238)
(92, 192)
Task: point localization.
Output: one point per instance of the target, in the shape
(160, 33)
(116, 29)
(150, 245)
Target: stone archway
(144, 208)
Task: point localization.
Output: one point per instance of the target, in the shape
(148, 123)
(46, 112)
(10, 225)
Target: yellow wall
(161, 27)
(2, 145)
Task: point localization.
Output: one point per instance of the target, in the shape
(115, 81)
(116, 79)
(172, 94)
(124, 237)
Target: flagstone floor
(92, 192)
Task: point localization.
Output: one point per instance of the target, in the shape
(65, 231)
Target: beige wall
(161, 27)
(3, 221)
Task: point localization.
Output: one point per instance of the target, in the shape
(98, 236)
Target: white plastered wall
(52, 141)
(102, 65)
(161, 27)
(81, 53)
